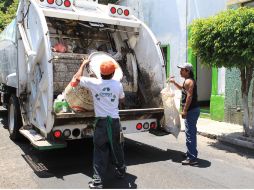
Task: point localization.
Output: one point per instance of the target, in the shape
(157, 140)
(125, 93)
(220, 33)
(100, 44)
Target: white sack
(171, 112)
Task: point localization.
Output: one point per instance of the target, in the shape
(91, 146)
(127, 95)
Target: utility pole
(186, 23)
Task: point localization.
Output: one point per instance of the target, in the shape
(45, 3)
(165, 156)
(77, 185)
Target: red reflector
(126, 12)
(139, 126)
(50, 1)
(113, 10)
(57, 134)
(153, 125)
(67, 3)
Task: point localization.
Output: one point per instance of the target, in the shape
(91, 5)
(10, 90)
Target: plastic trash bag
(171, 112)
(59, 47)
(60, 104)
(80, 99)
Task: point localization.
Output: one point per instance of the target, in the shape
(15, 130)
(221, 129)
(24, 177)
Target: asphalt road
(152, 161)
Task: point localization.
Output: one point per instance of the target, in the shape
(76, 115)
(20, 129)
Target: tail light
(57, 134)
(66, 133)
(67, 3)
(59, 2)
(126, 12)
(153, 125)
(76, 132)
(120, 11)
(146, 125)
(113, 10)
(139, 126)
(50, 1)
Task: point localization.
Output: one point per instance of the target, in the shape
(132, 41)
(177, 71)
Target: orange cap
(107, 68)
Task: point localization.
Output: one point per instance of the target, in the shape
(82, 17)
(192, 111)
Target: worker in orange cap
(107, 94)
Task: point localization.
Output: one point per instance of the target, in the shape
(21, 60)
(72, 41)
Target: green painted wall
(167, 59)
(217, 107)
(214, 81)
(217, 101)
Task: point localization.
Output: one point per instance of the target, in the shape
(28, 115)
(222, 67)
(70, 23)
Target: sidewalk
(226, 132)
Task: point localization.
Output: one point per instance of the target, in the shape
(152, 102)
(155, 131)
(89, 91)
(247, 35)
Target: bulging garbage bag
(79, 98)
(171, 112)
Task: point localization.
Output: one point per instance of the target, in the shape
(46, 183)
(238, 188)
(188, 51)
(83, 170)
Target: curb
(231, 140)
(210, 136)
(236, 141)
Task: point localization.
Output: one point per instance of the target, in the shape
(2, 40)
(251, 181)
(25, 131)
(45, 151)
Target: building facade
(233, 99)
(169, 21)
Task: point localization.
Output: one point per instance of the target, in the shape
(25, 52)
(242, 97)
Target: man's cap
(187, 66)
(107, 67)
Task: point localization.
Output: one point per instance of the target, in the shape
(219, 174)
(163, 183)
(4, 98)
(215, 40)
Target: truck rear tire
(14, 118)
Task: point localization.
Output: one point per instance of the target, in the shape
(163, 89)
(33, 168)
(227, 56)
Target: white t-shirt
(106, 95)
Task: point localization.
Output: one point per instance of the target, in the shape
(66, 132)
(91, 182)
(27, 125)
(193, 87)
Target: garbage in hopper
(79, 98)
(60, 47)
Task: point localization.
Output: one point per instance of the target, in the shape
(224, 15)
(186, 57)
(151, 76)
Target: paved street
(153, 162)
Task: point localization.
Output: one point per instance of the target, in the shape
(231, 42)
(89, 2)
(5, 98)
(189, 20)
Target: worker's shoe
(94, 185)
(190, 162)
(120, 172)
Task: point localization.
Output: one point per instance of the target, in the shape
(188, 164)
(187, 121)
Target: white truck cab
(32, 75)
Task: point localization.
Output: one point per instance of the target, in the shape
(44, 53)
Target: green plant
(8, 10)
(226, 40)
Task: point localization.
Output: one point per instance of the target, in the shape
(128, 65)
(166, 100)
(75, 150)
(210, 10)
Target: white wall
(221, 81)
(204, 82)
(168, 18)
(203, 9)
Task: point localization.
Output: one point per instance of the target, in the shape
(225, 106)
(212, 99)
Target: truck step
(39, 142)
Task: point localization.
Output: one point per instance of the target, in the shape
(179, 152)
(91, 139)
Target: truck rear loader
(33, 73)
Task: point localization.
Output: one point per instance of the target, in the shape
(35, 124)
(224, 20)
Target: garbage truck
(34, 71)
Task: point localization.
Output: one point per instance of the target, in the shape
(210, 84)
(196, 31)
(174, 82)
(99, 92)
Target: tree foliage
(8, 10)
(226, 40)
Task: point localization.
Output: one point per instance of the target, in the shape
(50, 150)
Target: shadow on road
(227, 147)
(140, 153)
(77, 158)
(4, 120)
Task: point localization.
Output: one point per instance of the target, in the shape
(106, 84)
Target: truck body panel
(38, 75)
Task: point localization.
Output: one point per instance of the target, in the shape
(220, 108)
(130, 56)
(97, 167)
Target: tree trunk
(252, 130)
(245, 114)
(246, 76)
